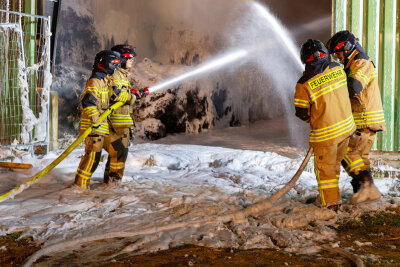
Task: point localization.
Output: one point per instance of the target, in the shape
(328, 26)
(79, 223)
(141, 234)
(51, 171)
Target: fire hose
(237, 217)
(22, 187)
(269, 202)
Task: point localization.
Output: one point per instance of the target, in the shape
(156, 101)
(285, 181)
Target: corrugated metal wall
(377, 24)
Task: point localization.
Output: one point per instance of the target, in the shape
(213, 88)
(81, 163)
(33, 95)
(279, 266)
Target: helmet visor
(128, 55)
(338, 47)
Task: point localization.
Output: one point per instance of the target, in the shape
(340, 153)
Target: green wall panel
(397, 120)
(356, 18)
(387, 75)
(372, 36)
(339, 15)
(377, 22)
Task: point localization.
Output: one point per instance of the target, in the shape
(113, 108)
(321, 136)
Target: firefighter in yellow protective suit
(121, 120)
(95, 100)
(322, 99)
(365, 97)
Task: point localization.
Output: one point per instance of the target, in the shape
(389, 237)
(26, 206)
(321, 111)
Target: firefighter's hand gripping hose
(19, 189)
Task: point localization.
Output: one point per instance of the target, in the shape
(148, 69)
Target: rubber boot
(355, 182)
(111, 178)
(334, 207)
(367, 191)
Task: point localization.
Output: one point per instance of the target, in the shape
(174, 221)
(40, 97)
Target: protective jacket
(95, 100)
(122, 117)
(364, 92)
(322, 99)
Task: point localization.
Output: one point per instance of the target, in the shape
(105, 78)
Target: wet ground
(375, 239)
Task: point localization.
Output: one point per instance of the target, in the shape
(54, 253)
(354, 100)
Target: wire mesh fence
(25, 78)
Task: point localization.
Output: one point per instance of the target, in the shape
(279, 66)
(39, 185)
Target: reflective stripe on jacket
(122, 116)
(366, 103)
(326, 99)
(95, 100)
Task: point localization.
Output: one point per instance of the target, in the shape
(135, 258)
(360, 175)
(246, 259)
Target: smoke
(207, 16)
(322, 24)
(183, 32)
(158, 28)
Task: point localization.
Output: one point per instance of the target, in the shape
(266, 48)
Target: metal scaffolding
(25, 78)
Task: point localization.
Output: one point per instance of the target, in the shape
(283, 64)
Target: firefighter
(365, 98)
(322, 99)
(95, 100)
(121, 121)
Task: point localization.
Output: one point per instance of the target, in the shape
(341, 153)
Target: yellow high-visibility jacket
(364, 92)
(122, 117)
(95, 100)
(322, 99)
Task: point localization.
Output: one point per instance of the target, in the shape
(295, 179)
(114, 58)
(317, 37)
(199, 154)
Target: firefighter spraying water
(313, 54)
(95, 126)
(322, 99)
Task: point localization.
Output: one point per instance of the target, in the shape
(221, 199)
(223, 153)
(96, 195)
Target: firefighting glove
(136, 93)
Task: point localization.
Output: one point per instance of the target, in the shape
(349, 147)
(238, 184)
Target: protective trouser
(116, 144)
(90, 160)
(356, 161)
(356, 157)
(327, 170)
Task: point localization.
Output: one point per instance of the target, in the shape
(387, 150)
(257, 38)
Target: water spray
(237, 54)
(279, 31)
(212, 65)
(203, 68)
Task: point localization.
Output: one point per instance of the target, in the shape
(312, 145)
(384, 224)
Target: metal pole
(54, 23)
(24, 14)
(7, 14)
(53, 122)
(53, 112)
(30, 36)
